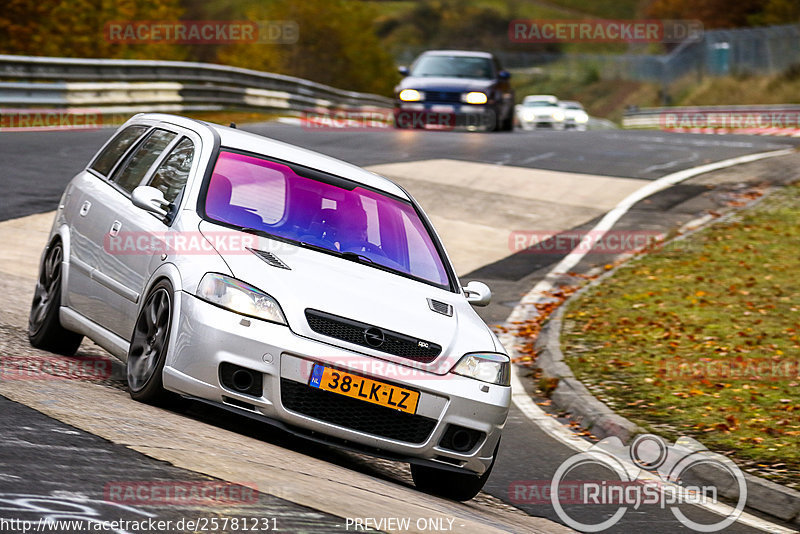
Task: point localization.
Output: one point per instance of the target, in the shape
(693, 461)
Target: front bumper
(543, 121)
(206, 336)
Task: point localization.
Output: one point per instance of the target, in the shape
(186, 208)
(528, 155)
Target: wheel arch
(166, 272)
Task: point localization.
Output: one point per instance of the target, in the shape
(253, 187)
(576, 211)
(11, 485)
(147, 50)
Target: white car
(281, 284)
(574, 115)
(540, 110)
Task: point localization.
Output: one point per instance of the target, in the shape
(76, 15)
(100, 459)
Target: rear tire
(44, 326)
(148, 349)
(448, 484)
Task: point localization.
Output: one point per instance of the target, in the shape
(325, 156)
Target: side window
(131, 175)
(171, 175)
(116, 148)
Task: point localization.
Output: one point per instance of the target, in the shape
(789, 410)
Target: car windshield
(337, 215)
(540, 103)
(453, 66)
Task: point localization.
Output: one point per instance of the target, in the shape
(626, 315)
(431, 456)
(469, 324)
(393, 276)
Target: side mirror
(403, 70)
(478, 293)
(150, 199)
(504, 75)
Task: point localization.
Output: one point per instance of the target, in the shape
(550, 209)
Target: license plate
(365, 389)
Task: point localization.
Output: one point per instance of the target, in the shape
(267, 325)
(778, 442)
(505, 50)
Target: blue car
(446, 89)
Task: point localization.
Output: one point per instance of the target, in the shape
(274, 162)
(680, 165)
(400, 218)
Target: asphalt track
(37, 165)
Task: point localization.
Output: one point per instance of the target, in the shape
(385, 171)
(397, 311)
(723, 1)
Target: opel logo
(374, 337)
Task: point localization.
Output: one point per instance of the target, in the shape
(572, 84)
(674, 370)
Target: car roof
(259, 144)
(465, 53)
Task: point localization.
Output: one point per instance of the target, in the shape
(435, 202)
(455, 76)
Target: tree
(727, 13)
(337, 45)
(76, 28)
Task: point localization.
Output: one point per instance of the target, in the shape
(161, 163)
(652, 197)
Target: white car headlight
(529, 115)
(239, 297)
(581, 117)
(485, 366)
(558, 115)
(411, 95)
(475, 97)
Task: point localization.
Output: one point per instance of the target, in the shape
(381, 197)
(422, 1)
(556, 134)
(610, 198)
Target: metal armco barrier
(119, 86)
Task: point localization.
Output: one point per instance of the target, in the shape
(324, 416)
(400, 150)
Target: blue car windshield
(453, 67)
(252, 192)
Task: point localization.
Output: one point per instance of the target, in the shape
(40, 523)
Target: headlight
(558, 115)
(486, 367)
(581, 117)
(411, 95)
(475, 97)
(529, 115)
(239, 297)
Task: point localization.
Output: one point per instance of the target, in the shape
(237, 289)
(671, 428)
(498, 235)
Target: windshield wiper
(262, 233)
(355, 256)
(352, 256)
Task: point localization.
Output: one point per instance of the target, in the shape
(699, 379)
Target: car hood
(430, 83)
(355, 291)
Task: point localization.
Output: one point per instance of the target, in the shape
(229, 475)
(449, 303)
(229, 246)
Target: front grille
(354, 332)
(355, 414)
(442, 96)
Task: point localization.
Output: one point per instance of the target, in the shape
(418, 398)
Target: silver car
(281, 284)
(540, 111)
(574, 115)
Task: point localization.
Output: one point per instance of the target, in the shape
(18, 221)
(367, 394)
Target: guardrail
(119, 86)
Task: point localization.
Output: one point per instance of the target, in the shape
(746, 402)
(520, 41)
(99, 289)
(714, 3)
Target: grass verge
(702, 339)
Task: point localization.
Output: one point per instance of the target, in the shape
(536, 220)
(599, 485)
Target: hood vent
(270, 258)
(440, 307)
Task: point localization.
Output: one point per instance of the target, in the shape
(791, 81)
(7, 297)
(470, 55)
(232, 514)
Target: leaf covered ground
(702, 339)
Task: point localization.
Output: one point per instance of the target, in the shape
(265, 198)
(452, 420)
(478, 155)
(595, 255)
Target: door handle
(85, 208)
(115, 228)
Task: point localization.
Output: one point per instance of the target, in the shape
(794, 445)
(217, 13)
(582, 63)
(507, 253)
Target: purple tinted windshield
(265, 195)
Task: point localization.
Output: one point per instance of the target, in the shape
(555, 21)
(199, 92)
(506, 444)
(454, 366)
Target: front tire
(44, 326)
(448, 484)
(148, 349)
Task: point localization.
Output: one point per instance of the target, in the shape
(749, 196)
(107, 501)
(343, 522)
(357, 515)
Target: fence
(767, 50)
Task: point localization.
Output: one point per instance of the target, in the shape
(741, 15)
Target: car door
(111, 287)
(144, 235)
(87, 194)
